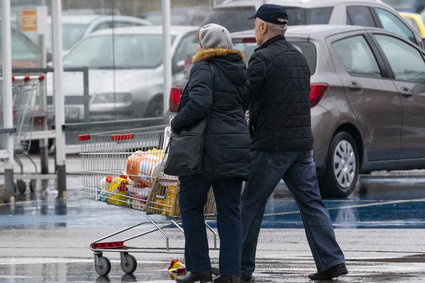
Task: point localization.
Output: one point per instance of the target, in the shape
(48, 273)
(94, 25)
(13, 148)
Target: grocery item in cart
(118, 191)
(138, 194)
(138, 202)
(103, 190)
(141, 164)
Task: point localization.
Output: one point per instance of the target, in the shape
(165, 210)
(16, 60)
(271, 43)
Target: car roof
(296, 3)
(86, 19)
(310, 31)
(175, 30)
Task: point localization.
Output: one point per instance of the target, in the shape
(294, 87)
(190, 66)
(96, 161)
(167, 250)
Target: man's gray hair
(274, 28)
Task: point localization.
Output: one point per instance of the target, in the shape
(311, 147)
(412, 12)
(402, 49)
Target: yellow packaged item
(171, 198)
(118, 191)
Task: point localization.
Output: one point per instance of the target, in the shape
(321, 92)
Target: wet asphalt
(380, 227)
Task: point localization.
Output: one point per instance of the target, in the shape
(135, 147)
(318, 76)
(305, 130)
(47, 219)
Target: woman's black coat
(217, 89)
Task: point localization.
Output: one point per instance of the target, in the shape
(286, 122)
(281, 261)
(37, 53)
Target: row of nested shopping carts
(29, 113)
(125, 169)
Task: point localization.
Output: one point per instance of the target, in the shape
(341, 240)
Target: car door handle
(405, 92)
(354, 86)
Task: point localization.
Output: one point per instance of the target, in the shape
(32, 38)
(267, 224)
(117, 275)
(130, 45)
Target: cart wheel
(102, 265)
(128, 263)
(33, 184)
(21, 186)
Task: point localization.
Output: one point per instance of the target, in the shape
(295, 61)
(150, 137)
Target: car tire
(342, 167)
(155, 107)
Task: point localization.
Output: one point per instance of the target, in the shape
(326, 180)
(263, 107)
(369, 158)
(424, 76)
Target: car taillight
(175, 96)
(248, 39)
(316, 93)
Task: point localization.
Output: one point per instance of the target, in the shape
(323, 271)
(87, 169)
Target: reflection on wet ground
(79, 270)
(379, 202)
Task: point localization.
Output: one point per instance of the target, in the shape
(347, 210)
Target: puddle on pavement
(291, 270)
(389, 203)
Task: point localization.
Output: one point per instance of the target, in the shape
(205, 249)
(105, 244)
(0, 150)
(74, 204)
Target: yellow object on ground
(176, 268)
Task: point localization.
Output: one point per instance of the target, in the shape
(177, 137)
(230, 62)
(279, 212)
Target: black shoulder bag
(185, 150)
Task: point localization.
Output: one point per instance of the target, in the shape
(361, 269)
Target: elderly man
(282, 143)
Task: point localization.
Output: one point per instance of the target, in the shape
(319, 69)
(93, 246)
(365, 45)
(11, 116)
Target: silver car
(125, 72)
(367, 100)
(370, 13)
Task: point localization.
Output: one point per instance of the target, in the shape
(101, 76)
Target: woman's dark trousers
(192, 198)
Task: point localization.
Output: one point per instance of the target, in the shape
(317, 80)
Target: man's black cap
(271, 13)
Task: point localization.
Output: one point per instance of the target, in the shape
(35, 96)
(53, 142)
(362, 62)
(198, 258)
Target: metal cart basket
(29, 113)
(124, 168)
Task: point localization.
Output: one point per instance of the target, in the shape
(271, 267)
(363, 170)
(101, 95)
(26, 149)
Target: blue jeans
(298, 170)
(192, 199)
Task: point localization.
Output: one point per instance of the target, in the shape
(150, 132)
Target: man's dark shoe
(246, 279)
(330, 273)
(190, 277)
(226, 279)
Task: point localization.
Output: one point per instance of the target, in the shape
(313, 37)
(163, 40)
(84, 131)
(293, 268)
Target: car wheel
(342, 167)
(155, 107)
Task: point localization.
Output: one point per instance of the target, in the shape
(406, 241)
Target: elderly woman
(216, 90)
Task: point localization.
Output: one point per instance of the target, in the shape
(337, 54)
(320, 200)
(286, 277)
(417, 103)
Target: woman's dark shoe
(334, 271)
(190, 277)
(226, 279)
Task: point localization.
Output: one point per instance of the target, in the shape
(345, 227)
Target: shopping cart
(28, 113)
(124, 168)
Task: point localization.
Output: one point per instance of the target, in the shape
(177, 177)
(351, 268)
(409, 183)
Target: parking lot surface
(380, 228)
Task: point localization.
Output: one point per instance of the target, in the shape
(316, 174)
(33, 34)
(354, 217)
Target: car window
(406, 61)
(187, 47)
(412, 22)
(360, 16)
(357, 57)
(401, 5)
(247, 48)
(391, 23)
(309, 51)
(121, 52)
(22, 48)
(72, 33)
(234, 19)
(306, 48)
(302, 16)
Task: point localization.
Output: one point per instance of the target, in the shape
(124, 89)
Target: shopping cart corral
(29, 122)
(124, 168)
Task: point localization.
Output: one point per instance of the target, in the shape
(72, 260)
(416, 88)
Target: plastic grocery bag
(141, 164)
